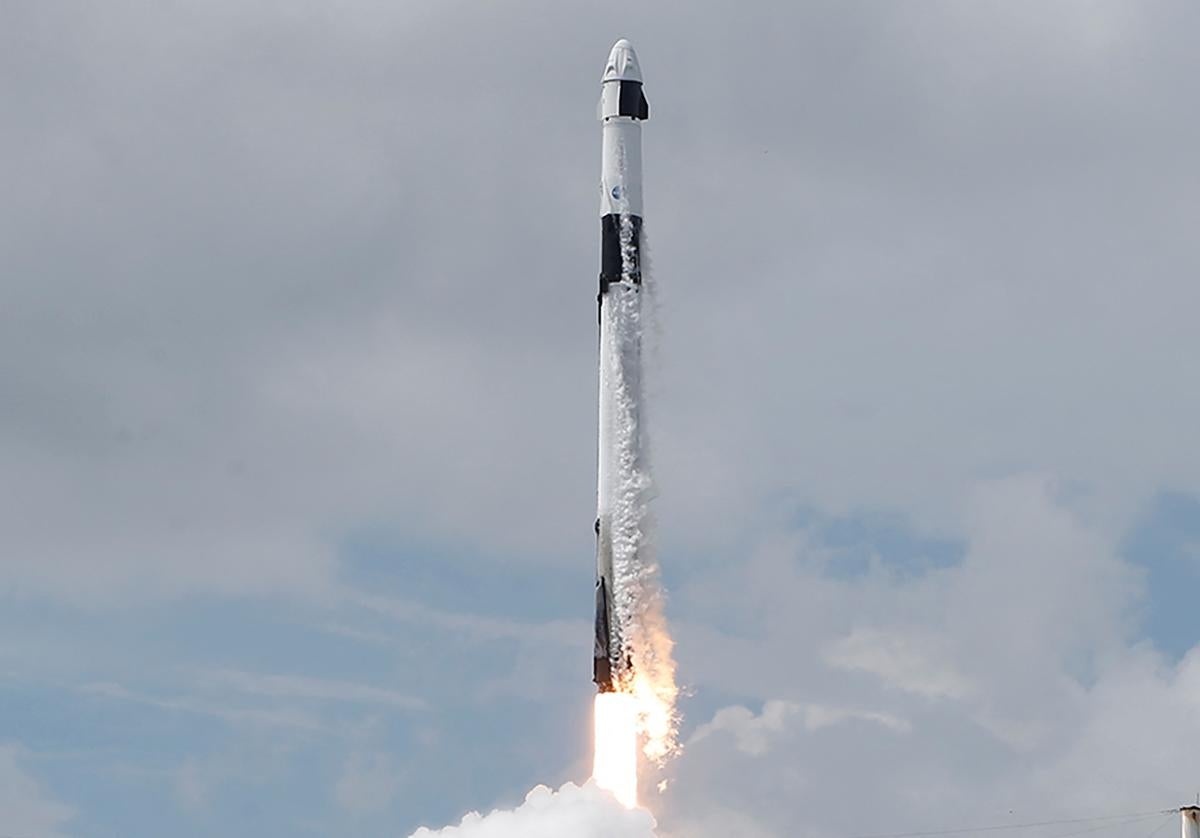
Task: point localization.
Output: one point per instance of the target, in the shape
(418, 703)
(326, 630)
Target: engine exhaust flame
(644, 713)
(615, 766)
(654, 706)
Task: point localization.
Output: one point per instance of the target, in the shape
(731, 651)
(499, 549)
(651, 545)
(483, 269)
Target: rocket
(622, 110)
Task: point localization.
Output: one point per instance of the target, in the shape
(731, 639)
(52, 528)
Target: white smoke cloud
(755, 734)
(27, 807)
(579, 811)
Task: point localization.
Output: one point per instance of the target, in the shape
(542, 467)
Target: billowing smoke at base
(575, 811)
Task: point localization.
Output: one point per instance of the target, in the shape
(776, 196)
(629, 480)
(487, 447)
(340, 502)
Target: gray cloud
(282, 717)
(28, 808)
(300, 687)
(368, 783)
(753, 733)
(1008, 681)
(277, 273)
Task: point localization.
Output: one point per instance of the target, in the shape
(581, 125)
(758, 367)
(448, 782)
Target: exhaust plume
(575, 811)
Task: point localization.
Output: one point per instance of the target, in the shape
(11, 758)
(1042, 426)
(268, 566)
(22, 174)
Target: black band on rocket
(602, 650)
(612, 265)
(631, 101)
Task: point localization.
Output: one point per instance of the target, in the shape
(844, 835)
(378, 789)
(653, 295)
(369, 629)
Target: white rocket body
(1189, 817)
(618, 506)
(621, 153)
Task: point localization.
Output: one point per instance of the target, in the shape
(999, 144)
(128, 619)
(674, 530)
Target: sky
(298, 364)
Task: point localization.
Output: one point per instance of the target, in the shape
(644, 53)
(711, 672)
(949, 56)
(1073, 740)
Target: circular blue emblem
(616, 193)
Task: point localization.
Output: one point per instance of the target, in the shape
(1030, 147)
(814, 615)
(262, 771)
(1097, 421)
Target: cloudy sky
(297, 410)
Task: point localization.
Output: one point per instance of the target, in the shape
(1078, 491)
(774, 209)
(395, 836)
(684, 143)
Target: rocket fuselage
(622, 109)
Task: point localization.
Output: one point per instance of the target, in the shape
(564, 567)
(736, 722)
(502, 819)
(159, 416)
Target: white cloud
(27, 809)
(750, 732)
(755, 734)
(368, 784)
(229, 695)
(817, 716)
(321, 689)
(193, 784)
(571, 633)
(721, 823)
(218, 765)
(286, 717)
(900, 660)
(576, 811)
(1013, 675)
(970, 256)
(198, 406)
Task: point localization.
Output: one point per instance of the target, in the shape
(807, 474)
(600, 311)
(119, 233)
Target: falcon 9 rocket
(619, 528)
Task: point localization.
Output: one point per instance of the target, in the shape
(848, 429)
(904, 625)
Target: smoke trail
(639, 599)
(579, 812)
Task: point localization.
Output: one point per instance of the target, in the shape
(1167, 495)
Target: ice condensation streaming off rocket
(621, 474)
(632, 655)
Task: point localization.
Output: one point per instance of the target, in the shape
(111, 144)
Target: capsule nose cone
(622, 63)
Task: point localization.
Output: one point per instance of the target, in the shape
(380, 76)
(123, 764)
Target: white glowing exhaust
(615, 765)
